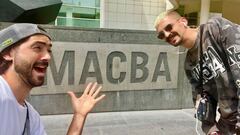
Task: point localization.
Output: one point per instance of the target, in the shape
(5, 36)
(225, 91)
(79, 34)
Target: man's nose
(166, 33)
(46, 56)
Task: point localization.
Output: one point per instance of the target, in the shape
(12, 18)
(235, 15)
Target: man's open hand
(84, 104)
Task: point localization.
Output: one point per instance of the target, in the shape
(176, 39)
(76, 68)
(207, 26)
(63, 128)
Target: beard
(171, 36)
(25, 71)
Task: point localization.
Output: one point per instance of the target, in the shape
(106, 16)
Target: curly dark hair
(4, 64)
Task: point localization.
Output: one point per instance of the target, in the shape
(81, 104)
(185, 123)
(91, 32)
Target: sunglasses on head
(168, 28)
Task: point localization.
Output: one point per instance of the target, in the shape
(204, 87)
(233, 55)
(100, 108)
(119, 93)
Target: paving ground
(157, 122)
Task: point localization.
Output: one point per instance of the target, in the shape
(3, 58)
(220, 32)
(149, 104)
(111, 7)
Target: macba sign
(116, 66)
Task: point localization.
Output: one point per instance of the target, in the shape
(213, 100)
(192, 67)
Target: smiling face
(171, 29)
(31, 58)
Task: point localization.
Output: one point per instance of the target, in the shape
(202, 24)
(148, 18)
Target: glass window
(81, 13)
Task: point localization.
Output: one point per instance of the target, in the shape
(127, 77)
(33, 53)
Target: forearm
(76, 125)
(82, 106)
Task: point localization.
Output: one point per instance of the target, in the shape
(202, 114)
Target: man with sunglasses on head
(212, 66)
(24, 57)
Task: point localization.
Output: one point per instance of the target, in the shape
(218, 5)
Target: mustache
(172, 34)
(41, 63)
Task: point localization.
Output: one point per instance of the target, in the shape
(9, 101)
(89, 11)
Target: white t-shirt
(13, 115)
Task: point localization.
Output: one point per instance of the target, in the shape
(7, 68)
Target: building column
(204, 12)
(102, 14)
(69, 21)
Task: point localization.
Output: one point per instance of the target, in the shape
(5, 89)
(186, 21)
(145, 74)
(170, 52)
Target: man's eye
(168, 27)
(161, 35)
(37, 48)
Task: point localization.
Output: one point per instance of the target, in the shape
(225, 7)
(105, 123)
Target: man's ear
(184, 21)
(8, 55)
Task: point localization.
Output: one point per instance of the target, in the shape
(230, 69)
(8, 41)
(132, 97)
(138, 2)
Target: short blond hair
(164, 14)
(159, 18)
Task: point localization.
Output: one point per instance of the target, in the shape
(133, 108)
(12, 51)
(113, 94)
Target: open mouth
(173, 41)
(41, 67)
(40, 70)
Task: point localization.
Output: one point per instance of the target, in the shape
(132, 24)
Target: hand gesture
(87, 101)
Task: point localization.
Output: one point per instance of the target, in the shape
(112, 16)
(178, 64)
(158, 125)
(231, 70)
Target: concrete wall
(137, 71)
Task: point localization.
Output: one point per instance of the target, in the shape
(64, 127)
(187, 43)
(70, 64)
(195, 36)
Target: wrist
(79, 115)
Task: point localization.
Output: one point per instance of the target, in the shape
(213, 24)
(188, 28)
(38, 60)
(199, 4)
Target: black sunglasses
(168, 28)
